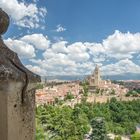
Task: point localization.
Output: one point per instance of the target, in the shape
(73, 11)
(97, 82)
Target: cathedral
(95, 79)
(95, 82)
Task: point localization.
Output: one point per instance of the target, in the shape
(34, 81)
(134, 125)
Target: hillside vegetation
(66, 123)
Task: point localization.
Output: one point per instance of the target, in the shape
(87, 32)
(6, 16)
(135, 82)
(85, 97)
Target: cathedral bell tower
(97, 77)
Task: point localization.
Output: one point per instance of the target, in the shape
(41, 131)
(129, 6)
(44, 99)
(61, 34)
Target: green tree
(39, 86)
(135, 136)
(118, 138)
(66, 123)
(40, 134)
(85, 88)
(69, 96)
(97, 91)
(98, 129)
(112, 92)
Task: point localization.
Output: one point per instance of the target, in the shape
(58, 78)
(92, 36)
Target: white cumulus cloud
(23, 14)
(60, 47)
(115, 54)
(122, 45)
(78, 52)
(25, 46)
(59, 28)
(38, 40)
(23, 49)
(121, 67)
(37, 70)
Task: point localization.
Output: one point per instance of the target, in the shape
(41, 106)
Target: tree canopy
(66, 123)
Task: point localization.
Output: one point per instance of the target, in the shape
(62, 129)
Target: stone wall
(17, 93)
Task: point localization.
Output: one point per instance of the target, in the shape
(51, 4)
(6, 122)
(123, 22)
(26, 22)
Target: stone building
(95, 78)
(95, 82)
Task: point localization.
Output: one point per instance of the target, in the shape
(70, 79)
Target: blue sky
(88, 20)
(70, 36)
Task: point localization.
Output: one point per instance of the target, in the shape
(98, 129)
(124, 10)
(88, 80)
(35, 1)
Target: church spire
(96, 67)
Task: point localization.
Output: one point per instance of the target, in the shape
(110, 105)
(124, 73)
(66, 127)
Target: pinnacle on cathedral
(96, 67)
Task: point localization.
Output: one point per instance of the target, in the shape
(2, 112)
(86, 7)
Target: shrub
(135, 136)
(118, 138)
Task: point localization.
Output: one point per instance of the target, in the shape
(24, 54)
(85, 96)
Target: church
(95, 82)
(95, 79)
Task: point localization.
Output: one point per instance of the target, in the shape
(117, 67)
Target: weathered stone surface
(12, 69)
(17, 93)
(4, 22)
(10, 66)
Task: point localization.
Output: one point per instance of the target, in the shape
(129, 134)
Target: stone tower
(97, 77)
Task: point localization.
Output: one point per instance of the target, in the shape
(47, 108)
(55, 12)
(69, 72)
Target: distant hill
(126, 76)
(66, 77)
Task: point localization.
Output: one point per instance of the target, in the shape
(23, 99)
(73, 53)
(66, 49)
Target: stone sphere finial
(4, 22)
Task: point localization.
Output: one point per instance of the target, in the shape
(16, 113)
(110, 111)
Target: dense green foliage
(63, 123)
(118, 82)
(98, 129)
(40, 134)
(69, 96)
(66, 123)
(133, 93)
(118, 138)
(39, 86)
(85, 88)
(135, 136)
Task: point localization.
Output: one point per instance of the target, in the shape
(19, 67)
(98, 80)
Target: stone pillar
(17, 93)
